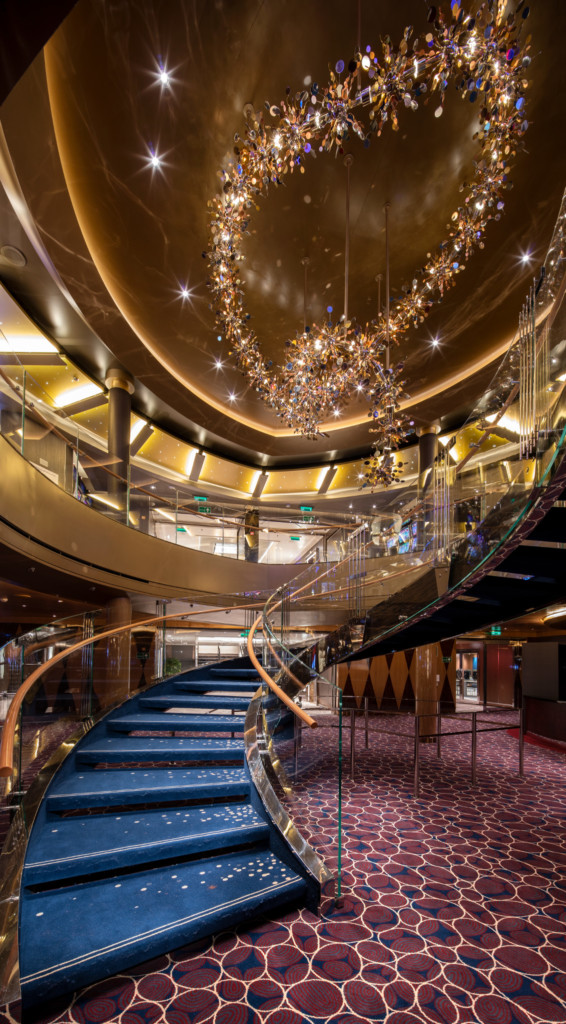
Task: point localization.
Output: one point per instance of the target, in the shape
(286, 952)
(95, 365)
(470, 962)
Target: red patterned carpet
(454, 910)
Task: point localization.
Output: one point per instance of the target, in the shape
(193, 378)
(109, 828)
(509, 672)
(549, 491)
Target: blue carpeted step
(197, 700)
(119, 749)
(71, 937)
(118, 787)
(160, 721)
(216, 685)
(234, 673)
(72, 847)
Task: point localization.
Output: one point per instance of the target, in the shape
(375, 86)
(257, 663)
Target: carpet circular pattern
(454, 906)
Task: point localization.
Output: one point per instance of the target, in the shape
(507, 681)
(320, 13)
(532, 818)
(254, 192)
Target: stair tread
(237, 686)
(234, 673)
(117, 924)
(206, 701)
(77, 844)
(119, 786)
(116, 747)
(141, 721)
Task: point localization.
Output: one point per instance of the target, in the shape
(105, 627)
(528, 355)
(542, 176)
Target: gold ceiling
(126, 238)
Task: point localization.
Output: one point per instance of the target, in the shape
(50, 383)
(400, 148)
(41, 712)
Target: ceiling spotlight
(232, 396)
(164, 77)
(435, 341)
(154, 160)
(337, 412)
(526, 257)
(218, 364)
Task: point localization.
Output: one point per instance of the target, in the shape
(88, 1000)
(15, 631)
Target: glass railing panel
(12, 392)
(306, 761)
(496, 466)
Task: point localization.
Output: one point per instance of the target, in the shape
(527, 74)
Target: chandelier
(329, 363)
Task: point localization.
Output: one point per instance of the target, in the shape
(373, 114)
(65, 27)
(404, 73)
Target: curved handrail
(298, 712)
(281, 664)
(8, 732)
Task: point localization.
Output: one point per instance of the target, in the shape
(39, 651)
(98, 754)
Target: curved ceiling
(126, 238)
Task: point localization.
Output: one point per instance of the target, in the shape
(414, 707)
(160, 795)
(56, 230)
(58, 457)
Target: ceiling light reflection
(77, 394)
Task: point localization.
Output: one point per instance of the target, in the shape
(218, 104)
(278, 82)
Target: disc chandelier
(327, 364)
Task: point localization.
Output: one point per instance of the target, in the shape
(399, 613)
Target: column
(428, 450)
(251, 535)
(120, 391)
(425, 677)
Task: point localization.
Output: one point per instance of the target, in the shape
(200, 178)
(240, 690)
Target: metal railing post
(296, 745)
(416, 788)
(352, 741)
(438, 727)
(522, 741)
(366, 712)
(474, 748)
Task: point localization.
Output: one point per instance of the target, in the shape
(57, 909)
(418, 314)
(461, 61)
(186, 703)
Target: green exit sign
(295, 538)
(200, 497)
(245, 632)
(306, 508)
(496, 630)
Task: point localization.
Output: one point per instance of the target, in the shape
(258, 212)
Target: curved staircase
(150, 836)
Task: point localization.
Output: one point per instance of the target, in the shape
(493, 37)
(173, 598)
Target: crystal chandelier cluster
(327, 364)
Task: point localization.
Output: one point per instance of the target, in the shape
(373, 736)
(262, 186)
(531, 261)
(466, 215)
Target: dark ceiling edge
(25, 28)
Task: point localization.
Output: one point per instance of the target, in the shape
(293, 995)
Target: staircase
(523, 573)
(150, 836)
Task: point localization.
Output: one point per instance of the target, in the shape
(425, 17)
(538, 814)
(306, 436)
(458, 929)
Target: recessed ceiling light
(526, 257)
(164, 77)
(435, 341)
(25, 343)
(77, 394)
(232, 396)
(218, 364)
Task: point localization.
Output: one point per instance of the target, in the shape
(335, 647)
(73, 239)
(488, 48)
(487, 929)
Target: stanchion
(474, 747)
(296, 745)
(438, 728)
(416, 787)
(366, 712)
(352, 741)
(522, 741)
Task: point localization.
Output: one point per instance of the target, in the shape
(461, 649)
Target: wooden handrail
(9, 729)
(298, 712)
(279, 662)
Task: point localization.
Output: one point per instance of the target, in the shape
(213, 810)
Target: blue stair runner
(148, 838)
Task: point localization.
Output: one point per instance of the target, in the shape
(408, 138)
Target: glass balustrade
(73, 678)
(497, 466)
(161, 504)
(305, 753)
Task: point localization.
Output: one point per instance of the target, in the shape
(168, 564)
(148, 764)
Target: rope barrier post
(352, 741)
(296, 745)
(366, 712)
(522, 741)
(438, 727)
(474, 747)
(417, 780)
